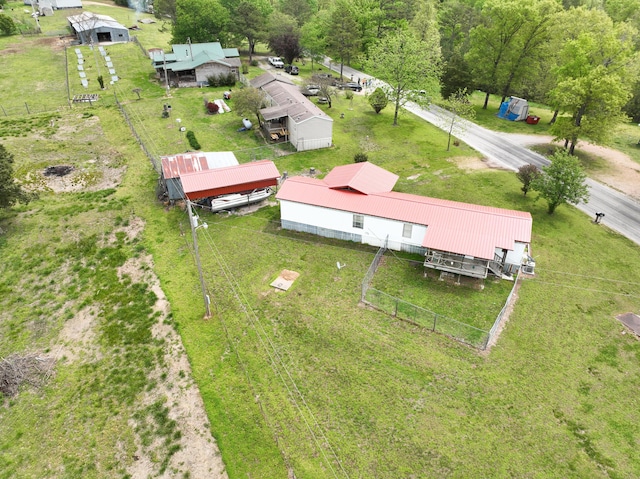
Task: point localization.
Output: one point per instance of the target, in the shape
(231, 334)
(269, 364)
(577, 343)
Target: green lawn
(308, 379)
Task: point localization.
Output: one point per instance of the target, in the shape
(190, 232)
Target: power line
(276, 359)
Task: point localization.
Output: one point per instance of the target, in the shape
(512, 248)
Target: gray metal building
(93, 28)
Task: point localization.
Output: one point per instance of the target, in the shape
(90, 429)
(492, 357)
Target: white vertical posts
(193, 220)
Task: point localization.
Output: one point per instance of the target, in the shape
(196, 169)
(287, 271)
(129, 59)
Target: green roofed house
(190, 64)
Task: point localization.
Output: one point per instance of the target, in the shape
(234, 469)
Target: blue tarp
(505, 113)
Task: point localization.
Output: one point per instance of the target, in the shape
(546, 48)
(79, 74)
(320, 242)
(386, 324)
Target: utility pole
(166, 78)
(193, 220)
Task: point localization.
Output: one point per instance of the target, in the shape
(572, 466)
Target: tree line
(578, 56)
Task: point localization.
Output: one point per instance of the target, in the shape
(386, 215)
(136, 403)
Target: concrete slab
(631, 321)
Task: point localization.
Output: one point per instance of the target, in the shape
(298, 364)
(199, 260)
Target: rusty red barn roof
(176, 165)
(452, 226)
(232, 179)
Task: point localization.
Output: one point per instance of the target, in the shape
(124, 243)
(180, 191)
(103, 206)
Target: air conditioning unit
(528, 269)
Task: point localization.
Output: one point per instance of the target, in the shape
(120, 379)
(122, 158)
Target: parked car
(291, 69)
(351, 86)
(276, 62)
(323, 99)
(311, 90)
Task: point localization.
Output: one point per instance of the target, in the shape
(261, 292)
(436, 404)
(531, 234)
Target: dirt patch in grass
(622, 174)
(83, 180)
(473, 163)
(76, 339)
(198, 455)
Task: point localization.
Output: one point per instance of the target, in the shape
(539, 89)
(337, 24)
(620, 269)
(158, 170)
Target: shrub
(245, 68)
(348, 95)
(254, 63)
(378, 100)
(7, 25)
(191, 136)
(224, 79)
(360, 157)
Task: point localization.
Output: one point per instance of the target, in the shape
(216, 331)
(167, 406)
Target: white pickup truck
(276, 62)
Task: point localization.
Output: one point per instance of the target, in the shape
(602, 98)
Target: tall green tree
(425, 22)
(597, 68)
(313, 37)
(10, 191)
(491, 41)
(406, 65)
(248, 101)
(343, 37)
(561, 182)
(528, 47)
(390, 15)
(200, 21)
(301, 10)
(250, 22)
(284, 37)
(456, 19)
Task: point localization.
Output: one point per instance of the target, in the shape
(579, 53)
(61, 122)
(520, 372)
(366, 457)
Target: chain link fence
(427, 319)
(399, 308)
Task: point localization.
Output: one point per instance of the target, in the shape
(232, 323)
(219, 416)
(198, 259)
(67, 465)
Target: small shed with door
(292, 117)
(173, 167)
(93, 28)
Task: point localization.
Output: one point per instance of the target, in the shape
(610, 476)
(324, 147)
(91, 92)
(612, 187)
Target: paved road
(622, 213)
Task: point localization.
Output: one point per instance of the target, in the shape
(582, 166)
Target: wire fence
(26, 108)
(373, 267)
(144, 51)
(155, 162)
(423, 317)
(427, 319)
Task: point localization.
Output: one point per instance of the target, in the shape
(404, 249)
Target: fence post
(27, 107)
(3, 110)
(435, 318)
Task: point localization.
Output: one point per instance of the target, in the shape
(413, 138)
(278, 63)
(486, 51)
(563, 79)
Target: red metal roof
(176, 165)
(232, 179)
(363, 177)
(452, 226)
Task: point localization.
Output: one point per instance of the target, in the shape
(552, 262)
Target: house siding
(212, 69)
(312, 134)
(374, 232)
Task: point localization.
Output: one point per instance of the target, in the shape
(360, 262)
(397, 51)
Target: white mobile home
(355, 202)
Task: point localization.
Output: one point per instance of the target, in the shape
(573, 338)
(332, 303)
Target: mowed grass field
(306, 381)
